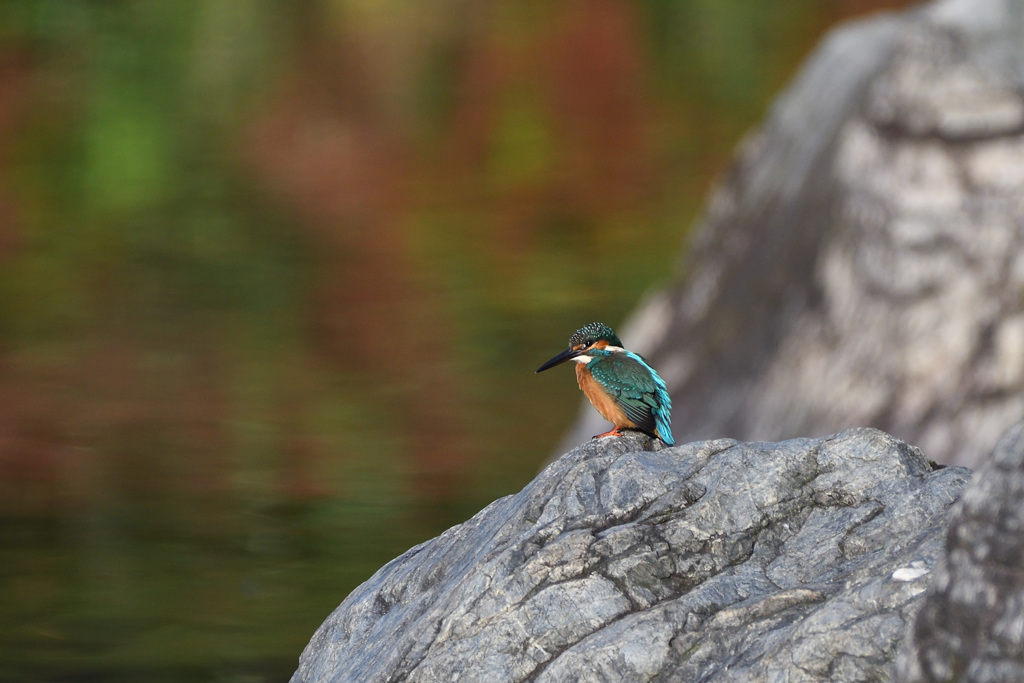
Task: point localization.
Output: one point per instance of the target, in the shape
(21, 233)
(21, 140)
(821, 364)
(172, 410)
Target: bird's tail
(664, 429)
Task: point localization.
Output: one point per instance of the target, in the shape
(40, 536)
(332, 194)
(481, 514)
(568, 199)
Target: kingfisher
(619, 383)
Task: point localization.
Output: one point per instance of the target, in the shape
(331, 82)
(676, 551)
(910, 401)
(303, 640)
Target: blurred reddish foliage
(586, 67)
(596, 84)
(16, 84)
(325, 146)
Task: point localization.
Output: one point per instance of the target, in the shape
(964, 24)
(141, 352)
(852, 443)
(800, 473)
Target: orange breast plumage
(600, 399)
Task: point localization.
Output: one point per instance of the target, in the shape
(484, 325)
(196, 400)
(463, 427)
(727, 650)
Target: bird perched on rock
(619, 383)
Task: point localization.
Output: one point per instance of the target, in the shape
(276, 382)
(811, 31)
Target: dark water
(274, 279)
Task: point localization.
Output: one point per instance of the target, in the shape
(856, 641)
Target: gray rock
(971, 624)
(862, 263)
(624, 560)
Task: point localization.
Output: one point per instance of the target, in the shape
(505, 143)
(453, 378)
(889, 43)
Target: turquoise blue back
(636, 388)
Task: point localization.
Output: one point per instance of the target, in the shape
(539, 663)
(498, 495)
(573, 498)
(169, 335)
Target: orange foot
(614, 432)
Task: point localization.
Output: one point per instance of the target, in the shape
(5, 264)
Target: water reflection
(274, 278)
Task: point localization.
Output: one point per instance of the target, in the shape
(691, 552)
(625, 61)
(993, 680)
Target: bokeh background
(275, 276)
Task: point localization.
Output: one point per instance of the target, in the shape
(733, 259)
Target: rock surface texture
(863, 260)
(623, 560)
(971, 624)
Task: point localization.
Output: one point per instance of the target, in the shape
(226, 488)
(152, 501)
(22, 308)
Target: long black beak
(568, 354)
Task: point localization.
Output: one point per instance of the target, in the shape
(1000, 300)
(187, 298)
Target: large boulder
(862, 262)
(626, 560)
(971, 623)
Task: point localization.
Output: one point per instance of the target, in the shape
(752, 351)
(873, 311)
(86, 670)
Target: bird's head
(591, 338)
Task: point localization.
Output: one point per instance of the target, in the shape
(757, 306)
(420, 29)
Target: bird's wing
(633, 385)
